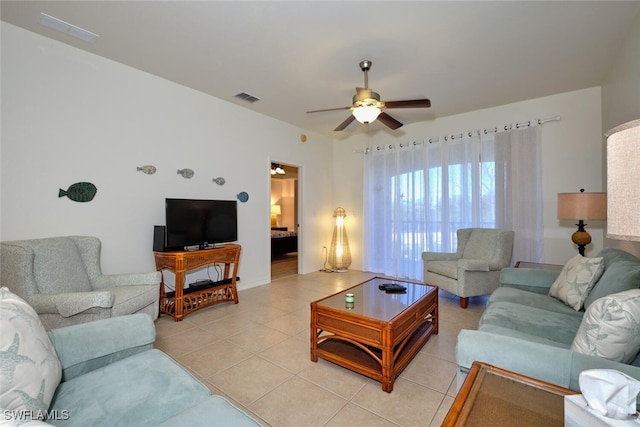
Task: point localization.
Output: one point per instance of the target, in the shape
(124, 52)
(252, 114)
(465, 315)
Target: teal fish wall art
(79, 192)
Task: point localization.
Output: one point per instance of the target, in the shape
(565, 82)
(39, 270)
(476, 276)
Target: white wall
(571, 156)
(70, 116)
(621, 102)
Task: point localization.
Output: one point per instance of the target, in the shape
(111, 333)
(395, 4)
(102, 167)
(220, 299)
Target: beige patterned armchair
(474, 269)
(61, 278)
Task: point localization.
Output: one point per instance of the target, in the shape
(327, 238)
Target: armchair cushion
(473, 264)
(611, 328)
(58, 267)
(70, 304)
(29, 369)
(576, 280)
(111, 280)
(444, 268)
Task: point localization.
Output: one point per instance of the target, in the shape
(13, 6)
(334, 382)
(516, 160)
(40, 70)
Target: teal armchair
(474, 269)
(61, 278)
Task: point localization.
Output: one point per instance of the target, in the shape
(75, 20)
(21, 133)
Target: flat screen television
(202, 223)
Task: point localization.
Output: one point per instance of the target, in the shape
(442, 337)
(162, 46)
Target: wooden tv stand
(183, 301)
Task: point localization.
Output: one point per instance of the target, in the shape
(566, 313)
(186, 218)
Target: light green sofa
(110, 376)
(524, 330)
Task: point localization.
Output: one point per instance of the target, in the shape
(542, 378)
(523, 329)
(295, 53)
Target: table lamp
(275, 211)
(582, 206)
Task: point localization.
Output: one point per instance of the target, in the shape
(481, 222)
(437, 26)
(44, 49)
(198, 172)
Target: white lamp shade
(623, 181)
(366, 114)
(275, 210)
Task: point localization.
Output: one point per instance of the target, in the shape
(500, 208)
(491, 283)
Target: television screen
(191, 222)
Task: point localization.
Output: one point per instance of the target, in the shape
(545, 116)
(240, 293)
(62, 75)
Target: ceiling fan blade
(413, 103)
(389, 121)
(346, 123)
(329, 109)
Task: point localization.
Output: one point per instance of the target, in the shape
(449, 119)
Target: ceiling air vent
(69, 29)
(247, 97)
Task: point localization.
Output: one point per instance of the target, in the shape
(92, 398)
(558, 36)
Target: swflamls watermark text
(30, 414)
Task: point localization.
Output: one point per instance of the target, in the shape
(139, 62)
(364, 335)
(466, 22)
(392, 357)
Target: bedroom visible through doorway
(284, 220)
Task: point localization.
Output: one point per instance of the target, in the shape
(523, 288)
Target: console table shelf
(182, 302)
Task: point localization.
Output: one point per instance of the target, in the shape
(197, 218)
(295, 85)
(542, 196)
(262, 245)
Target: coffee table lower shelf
(370, 361)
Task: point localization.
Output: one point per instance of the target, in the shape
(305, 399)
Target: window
(417, 197)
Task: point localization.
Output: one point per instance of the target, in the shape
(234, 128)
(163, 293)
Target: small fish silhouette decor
(219, 180)
(148, 169)
(186, 173)
(243, 196)
(79, 192)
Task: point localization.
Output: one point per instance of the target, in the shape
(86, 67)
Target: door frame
(298, 203)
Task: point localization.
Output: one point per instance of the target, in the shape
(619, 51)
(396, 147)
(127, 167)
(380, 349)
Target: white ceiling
(303, 55)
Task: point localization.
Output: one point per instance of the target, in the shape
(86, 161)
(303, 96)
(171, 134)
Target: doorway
(284, 220)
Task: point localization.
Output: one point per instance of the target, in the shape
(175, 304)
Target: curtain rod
(504, 128)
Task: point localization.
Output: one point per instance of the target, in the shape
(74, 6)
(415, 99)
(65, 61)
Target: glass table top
(370, 301)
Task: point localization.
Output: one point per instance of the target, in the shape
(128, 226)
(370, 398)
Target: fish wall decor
(219, 180)
(186, 173)
(79, 192)
(243, 196)
(148, 169)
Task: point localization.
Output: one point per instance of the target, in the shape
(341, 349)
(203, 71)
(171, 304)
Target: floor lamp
(623, 181)
(582, 206)
(339, 252)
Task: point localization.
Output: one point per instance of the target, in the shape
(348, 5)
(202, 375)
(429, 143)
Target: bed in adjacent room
(283, 241)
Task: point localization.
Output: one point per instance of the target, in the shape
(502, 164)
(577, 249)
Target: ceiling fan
(367, 106)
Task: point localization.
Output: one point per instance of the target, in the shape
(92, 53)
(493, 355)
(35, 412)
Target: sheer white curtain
(417, 195)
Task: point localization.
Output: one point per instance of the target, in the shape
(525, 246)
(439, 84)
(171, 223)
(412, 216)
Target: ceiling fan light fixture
(366, 113)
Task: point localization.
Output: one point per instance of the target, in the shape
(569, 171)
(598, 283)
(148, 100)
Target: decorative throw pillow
(575, 281)
(610, 328)
(30, 370)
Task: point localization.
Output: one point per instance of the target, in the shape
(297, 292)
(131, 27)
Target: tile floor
(256, 354)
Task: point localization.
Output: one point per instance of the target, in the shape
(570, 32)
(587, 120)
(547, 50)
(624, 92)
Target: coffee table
(378, 335)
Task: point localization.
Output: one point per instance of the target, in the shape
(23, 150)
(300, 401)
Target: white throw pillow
(610, 328)
(30, 370)
(575, 281)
